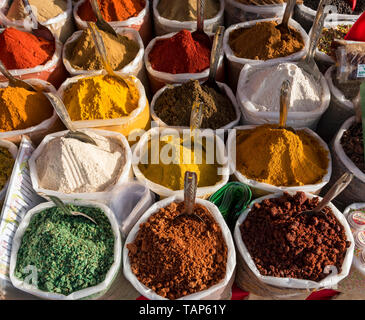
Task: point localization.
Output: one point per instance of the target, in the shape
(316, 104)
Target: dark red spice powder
(23, 50)
(180, 54)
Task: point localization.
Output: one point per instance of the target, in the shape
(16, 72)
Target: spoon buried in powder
(284, 25)
(65, 118)
(284, 105)
(66, 210)
(14, 82)
(199, 34)
(190, 187)
(100, 21)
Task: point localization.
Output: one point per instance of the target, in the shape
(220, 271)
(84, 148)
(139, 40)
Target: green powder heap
(70, 253)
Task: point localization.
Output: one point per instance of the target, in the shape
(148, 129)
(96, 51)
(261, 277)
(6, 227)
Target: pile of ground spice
(70, 253)
(261, 2)
(263, 41)
(279, 157)
(186, 10)
(112, 10)
(284, 245)
(23, 50)
(179, 257)
(83, 55)
(174, 106)
(352, 144)
(21, 109)
(343, 6)
(182, 53)
(330, 34)
(6, 166)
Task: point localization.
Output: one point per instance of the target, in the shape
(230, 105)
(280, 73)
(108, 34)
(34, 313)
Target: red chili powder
(23, 50)
(179, 54)
(112, 10)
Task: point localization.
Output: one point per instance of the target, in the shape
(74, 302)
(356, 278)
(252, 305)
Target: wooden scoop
(100, 21)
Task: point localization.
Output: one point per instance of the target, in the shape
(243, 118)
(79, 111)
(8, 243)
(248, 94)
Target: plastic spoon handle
(100, 21)
(214, 56)
(284, 101)
(288, 12)
(200, 15)
(196, 116)
(335, 190)
(190, 187)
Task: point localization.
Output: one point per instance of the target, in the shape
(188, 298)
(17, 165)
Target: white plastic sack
(124, 176)
(216, 292)
(202, 192)
(296, 119)
(355, 192)
(235, 64)
(87, 293)
(61, 25)
(260, 188)
(339, 110)
(159, 79)
(124, 121)
(141, 22)
(163, 25)
(331, 280)
(35, 131)
(13, 149)
(223, 86)
(238, 12)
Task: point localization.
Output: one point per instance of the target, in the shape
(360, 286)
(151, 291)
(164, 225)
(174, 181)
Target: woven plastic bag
(296, 119)
(87, 293)
(220, 291)
(164, 26)
(13, 149)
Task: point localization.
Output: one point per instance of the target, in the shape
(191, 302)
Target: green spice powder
(70, 253)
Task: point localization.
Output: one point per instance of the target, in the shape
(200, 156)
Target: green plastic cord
(232, 200)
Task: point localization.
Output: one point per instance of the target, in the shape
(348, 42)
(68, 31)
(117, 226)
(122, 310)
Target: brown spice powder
(181, 257)
(263, 41)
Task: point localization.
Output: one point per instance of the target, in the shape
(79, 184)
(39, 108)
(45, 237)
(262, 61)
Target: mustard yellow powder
(100, 97)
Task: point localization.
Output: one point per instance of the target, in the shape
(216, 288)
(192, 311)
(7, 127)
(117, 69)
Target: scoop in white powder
(263, 88)
(71, 166)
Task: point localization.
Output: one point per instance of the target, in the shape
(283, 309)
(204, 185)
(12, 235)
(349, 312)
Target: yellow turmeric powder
(280, 157)
(100, 97)
(6, 166)
(21, 109)
(179, 159)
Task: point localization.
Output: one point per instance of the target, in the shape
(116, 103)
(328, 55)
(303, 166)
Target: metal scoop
(335, 190)
(40, 30)
(199, 33)
(14, 82)
(284, 105)
(307, 62)
(65, 118)
(284, 25)
(190, 187)
(66, 210)
(100, 21)
(214, 58)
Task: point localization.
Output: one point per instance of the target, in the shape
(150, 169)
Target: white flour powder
(263, 88)
(69, 165)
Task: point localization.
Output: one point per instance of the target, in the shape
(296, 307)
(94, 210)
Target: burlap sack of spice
(88, 293)
(38, 132)
(62, 26)
(164, 26)
(248, 277)
(259, 188)
(223, 86)
(164, 192)
(125, 174)
(235, 64)
(139, 118)
(13, 149)
(296, 119)
(219, 291)
(355, 192)
(142, 22)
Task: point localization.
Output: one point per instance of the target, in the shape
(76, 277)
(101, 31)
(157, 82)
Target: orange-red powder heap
(23, 50)
(180, 54)
(112, 10)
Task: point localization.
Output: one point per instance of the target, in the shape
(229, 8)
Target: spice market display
(167, 153)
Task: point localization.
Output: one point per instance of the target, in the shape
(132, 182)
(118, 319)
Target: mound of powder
(83, 55)
(71, 166)
(186, 10)
(263, 88)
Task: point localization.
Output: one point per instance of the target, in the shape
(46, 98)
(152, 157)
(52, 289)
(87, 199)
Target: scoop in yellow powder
(100, 97)
(280, 157)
